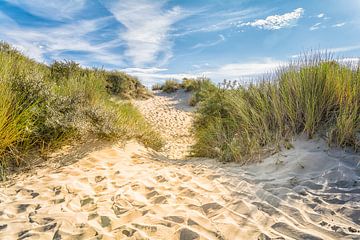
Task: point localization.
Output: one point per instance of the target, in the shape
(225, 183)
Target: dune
(131, 192)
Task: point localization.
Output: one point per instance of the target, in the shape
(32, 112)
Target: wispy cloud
(234, 71)
(344, 48)
(329, 50)
(210, 44)
(149, 76)
(56, 10)
(339, 24)
(144, 70)
(276, 22)
(238, 71)
(205, 20)
(315, 26)
(50, 43)
(321, 15)
(147, 27)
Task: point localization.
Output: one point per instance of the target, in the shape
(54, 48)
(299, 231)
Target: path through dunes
(172, 116)
(308, 192)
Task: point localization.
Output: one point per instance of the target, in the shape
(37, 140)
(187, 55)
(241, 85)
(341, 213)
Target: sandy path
(172, 116)
(308, 192)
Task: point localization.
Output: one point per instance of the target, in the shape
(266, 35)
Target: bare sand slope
(308, 192)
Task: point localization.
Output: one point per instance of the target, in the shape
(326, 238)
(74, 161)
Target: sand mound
(308, 192)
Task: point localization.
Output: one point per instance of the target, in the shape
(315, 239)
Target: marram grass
(314, 96)
(44, 105)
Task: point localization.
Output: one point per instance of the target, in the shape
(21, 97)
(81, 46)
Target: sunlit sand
(116, 192)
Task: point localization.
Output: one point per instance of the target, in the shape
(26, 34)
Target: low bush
(200, 88)
(156, 87)
(126, 86)
(170, 86)
(189, 84)
(43, 106)
(245, 123)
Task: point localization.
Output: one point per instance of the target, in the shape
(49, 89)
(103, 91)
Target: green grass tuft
(44, 106)
(200, 88)
(313, 96)
(170, 86)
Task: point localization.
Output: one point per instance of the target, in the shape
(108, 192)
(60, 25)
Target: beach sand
(172, 116)
(116, 192)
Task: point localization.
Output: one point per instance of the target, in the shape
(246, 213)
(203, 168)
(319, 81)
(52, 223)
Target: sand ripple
(132, 193)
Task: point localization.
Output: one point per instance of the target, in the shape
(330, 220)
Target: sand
(173, 117)
(308, 192)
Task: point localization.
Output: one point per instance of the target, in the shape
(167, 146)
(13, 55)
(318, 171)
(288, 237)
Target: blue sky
(160, 39)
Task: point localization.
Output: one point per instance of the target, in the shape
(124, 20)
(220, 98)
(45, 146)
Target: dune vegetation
(315, 96)
(42, 107)
(200, 88)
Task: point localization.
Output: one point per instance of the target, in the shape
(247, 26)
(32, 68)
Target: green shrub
(201, 88)
(156, 87)
(188, 84)
(312, 97)
(126, 86)
(170, 86)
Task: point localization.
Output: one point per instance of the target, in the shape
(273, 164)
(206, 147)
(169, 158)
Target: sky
(160, 39)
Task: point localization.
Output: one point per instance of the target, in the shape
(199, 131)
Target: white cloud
(150, 76)
(206, 21)
(202, 65)
(144, 70)
(234, 71)
(57, 10)
(329, 50)
(276, 22)
(339, 24)
(321, 15)
(210, 44)
(147, 29)
(344, 49)
(52, 42)
(238, 71)
(315, 27)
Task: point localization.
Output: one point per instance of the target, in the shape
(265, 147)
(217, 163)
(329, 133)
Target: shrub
(202, 88)
(170, 86)
(126, 86)
(188, 84)
(156, 87)
(312, 97)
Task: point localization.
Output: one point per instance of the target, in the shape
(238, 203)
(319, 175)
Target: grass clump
(189, 84)
(43, 106)
(126, 86)
(201, 89)
(170, 86)
(156, 87)
(312, 96)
